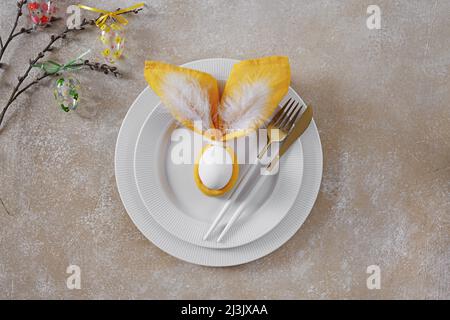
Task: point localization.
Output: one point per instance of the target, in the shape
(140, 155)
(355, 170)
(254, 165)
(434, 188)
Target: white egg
(215, 167)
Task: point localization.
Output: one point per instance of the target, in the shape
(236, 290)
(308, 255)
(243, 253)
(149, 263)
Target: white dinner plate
(124, 167)
(171, 196)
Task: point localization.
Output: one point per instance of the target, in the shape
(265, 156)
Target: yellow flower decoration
(106, 52)
(117, 54)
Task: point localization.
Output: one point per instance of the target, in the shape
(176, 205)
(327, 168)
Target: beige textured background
(382, 105)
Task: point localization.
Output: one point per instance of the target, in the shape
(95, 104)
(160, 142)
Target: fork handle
(232, 196)
(241, 208)
(264, 150)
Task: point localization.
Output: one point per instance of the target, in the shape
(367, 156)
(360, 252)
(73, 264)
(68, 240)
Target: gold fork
(280, 125)
(283, 120)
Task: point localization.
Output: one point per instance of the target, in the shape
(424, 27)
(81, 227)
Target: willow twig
(29, 85)
(22, 31)
(28, 30)
(100, 67)
(40, 55)
(4, 207)
(12, 35)
(53, 38)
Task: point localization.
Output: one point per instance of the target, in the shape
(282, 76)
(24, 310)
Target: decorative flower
(44, 20)
(33, 6)
(41, 11)
(117, 54)
(106, 52)
(35, 19)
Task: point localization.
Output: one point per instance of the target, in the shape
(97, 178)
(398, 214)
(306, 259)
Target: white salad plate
(274, 235)
(171, 196)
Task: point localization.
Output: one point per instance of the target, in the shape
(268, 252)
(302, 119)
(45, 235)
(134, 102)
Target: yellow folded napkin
(252, 93)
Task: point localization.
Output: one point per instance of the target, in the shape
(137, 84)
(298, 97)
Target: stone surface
(381, 100)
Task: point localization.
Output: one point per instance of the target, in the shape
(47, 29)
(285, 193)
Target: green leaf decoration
(60, 82)
(64, 108)
(49, 67)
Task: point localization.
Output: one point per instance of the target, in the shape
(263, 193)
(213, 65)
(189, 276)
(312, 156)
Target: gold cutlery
(282, 122)
(300, 126)
(290, 133)
(282, 117)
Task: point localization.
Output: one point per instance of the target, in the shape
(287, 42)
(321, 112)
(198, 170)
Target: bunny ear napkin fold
(251, 94)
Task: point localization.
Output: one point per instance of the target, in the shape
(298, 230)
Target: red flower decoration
(33, 6)
(44, 20)
(44, 7)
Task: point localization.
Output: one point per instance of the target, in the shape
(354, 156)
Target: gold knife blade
(300, 126)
